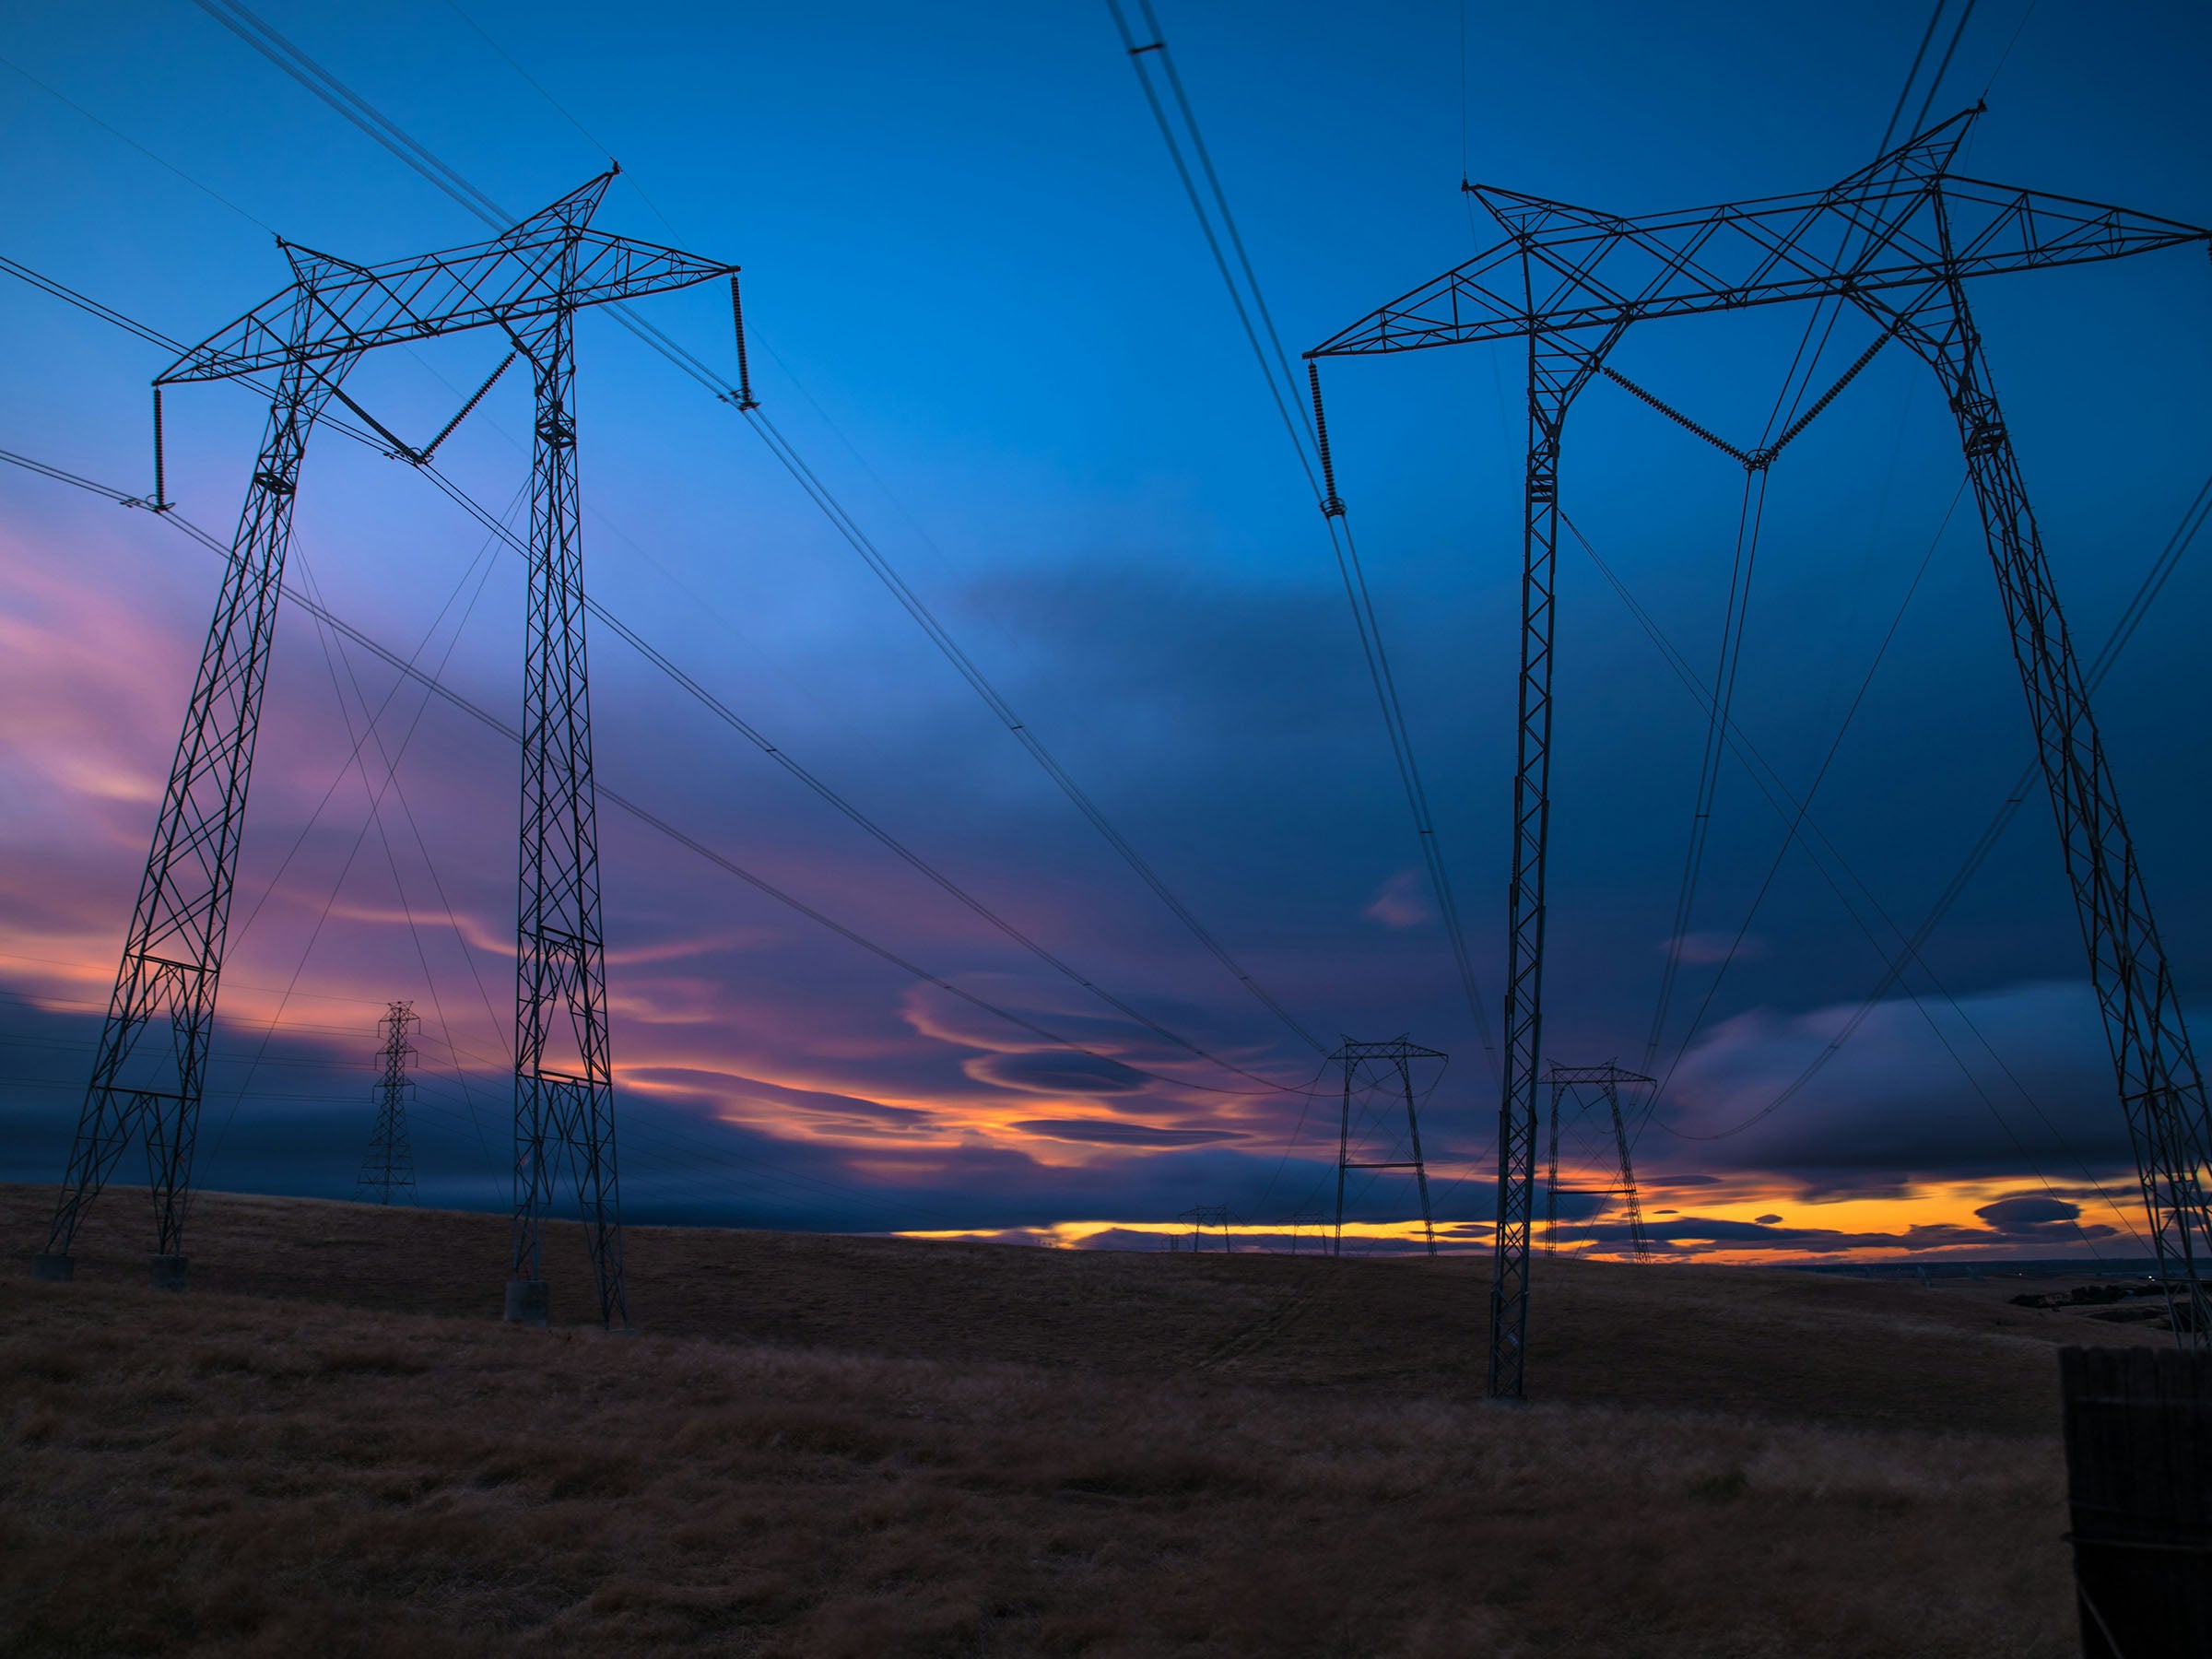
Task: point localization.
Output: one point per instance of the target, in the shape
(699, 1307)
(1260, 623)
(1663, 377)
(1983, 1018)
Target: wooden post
(2138, 1423)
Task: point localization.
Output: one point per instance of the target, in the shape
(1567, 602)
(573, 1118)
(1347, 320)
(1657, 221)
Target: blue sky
(981, 310)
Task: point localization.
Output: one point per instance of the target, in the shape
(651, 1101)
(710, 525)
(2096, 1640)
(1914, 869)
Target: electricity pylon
(1605, 1082)
(1897, 240)
(1216, 1216)
(528, 282)
(1395, 1057)
(388, 1166)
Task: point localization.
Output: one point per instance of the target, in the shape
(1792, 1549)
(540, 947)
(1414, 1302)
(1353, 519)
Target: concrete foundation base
(527, 1301)
(53, 1269)
(167, 1272)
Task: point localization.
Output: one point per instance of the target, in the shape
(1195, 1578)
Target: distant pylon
(388, 1169)
(1217, 1215)
(1398, 1055)
(1605, 1081)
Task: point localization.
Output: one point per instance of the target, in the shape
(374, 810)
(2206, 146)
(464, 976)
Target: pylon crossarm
(551, 262)
(1995, 228)
(1569, 1074)
(1882, 229)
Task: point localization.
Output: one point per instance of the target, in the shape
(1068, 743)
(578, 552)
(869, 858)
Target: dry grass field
(878, 1447)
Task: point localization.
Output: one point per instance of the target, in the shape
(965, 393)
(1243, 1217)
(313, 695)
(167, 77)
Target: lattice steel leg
(1552, 1181)
(173, 955)
(1638, 1240)
(1420, 1168)
(1344, 1145)
(1558, 367)
(2161, 1090)
(564, 1081)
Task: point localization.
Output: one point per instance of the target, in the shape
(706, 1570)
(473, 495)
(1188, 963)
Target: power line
(642, 814)
(1943, 69)
(831, 798)
(375, 797)
(1782, 800)
(499, 531)
(2163, 568)
(256, 33)
(124, 137)
(1805, 802)
(315, 817)
(1790, 396)
(1734, 621)
(243, 22)
(333, 655)
(1911, 75)
(1308, 438)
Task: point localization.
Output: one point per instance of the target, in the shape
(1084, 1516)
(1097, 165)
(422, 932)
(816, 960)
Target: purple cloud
(1400, 903)
(1105, 1132)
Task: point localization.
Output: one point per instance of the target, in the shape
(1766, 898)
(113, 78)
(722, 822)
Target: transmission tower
(1302, 1219)
(388, 1166)
(1200, 1217)
(1387, 1060)
(528, 282)
(1604, 1081)
(1897, 241)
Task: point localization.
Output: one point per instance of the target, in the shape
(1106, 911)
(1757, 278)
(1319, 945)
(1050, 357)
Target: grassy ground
(872, 1448)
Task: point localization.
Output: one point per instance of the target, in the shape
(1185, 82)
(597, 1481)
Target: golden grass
(218, 1474)
(1749, 1340)
(870, 1447)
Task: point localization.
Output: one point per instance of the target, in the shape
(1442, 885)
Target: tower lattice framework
(388, 1166)
(1577, 1083)
(1393, 1060)
(150, 1072)
(563, 1077)
(1898, 239)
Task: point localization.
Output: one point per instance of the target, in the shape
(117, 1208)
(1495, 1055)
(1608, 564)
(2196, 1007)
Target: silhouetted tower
(388, 1166)
(1580, 1083)
(1897, 240)
(1373, 1065)
(1217, 1215)
(528, 282)
(1303, 1220)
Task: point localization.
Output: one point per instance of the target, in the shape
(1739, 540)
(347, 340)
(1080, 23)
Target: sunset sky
(982, 312)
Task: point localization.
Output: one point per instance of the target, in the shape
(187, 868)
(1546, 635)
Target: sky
(980, 310)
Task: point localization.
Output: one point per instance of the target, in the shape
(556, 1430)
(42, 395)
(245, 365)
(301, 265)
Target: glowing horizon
(1009, 358)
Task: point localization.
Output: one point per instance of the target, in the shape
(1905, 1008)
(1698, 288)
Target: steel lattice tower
(388, 1166)
(1604, 1081)
(1897, 241)
(1216, 1216)
(528, 282)
(1395, 1057)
